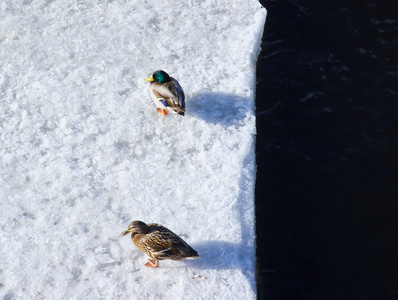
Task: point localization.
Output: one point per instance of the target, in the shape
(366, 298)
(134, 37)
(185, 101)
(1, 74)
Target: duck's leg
(162, 111)
(152, 263)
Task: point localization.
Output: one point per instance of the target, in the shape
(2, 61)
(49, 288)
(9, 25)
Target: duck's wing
(170, 92)
(178, 92)
(154, 242)
(164, 242)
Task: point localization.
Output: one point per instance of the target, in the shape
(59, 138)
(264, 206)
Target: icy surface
(83, 151)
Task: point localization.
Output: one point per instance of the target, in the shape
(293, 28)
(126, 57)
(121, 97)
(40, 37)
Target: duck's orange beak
(124, 233)
(149, 79)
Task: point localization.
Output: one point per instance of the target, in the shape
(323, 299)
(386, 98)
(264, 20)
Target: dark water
(327, 151)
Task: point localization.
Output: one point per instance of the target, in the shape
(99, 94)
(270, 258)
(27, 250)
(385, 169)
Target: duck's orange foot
(162, 111)
(152, 263)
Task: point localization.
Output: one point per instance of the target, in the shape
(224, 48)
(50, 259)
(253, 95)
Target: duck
(167, 93)
(158, 243)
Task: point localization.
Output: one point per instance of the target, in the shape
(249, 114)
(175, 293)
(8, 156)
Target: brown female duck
(159, 243)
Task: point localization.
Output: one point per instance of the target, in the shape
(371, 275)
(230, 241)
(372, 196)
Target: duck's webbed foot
(152, 263)
(162, 111)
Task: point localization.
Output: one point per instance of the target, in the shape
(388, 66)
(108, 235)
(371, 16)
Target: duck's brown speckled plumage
(159, 242)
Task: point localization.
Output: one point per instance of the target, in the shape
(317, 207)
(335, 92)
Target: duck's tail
(180, 111)
(192, 255)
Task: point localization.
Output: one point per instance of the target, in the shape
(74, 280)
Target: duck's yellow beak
(124, 233)
(149, 79)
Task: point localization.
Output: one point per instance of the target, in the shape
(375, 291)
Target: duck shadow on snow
(219, 108)
(220, 255)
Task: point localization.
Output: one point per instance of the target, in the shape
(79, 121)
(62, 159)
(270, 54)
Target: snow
(83, 151)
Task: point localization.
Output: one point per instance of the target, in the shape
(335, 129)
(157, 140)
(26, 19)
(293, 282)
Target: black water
(327, 151)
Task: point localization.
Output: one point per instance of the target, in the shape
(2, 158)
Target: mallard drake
(167, 93)
(158, 243)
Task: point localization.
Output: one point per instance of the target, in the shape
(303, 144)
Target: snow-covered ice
(83, 151)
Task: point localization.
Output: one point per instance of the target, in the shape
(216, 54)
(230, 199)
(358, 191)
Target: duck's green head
(159, 76)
